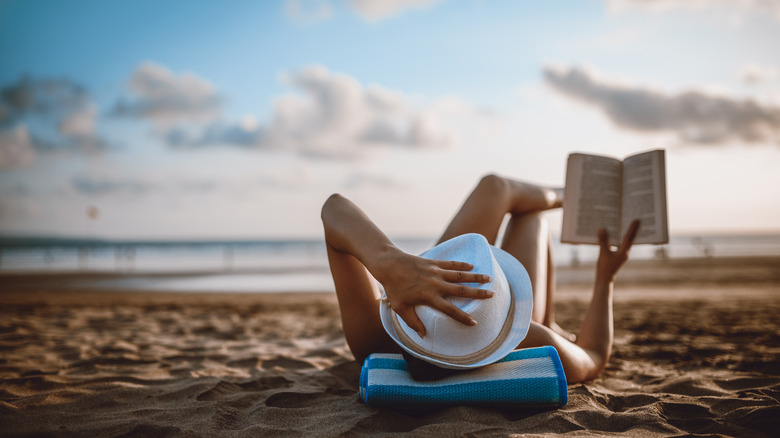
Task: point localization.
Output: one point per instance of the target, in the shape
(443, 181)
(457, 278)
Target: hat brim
(520, 286)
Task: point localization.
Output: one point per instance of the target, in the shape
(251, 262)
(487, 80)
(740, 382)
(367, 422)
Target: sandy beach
(697, 352)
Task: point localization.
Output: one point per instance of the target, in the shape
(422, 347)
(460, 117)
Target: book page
(644, 196)
(591, 198)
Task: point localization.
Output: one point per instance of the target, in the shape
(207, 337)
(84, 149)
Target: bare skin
(360, 254)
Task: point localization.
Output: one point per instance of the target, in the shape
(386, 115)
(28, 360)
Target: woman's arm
(408, 280)
(596, 332)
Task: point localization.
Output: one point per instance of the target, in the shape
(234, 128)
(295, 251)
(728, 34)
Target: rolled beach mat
(531, 377)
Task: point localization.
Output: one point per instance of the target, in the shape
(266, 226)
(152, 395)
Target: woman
(360, 255)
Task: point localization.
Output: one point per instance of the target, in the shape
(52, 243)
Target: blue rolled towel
(530, 377)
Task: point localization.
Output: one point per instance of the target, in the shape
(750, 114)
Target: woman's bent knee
(329, 203)
(493, 183)
(494, 187)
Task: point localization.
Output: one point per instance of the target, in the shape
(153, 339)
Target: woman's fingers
(409, 316)
(464, 277)
(453, 312)
(455, 286)
(603, 240)
(451, 278)
(628, 239)
(459, 290)
(454, 265)
(457, 272)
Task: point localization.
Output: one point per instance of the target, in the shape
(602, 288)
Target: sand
(690, 358)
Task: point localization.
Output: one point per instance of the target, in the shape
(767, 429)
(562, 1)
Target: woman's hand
(609, 261)
(410, 281)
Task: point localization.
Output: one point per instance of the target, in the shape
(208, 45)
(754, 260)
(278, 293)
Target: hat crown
(502, 320)
(446, 337)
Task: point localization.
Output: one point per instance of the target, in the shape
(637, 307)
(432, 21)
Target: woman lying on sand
(359, 252)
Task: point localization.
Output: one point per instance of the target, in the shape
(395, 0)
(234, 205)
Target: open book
(604, 192)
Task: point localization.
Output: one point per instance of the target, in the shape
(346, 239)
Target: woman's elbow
(583, 368)
(330, 204)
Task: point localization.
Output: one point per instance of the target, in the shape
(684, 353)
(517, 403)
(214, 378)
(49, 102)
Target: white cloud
(79, 123)
(338, 113)
(755, 74)
(694, 116)
(54, 114)
(249, 123)
(333, 115)
(16, 149)
(52, 98)
(734, 6)
(375, 10)
(167, 99)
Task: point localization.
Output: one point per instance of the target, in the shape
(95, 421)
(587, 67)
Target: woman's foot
(529, 197)
(558, 202)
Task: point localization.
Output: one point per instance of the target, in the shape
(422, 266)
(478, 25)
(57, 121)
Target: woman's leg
(527, 237)
(487, 205)
(549, 314)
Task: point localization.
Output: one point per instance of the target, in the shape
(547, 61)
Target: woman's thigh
(527, 239)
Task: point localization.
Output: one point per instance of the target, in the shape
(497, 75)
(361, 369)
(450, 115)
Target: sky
(237, 119)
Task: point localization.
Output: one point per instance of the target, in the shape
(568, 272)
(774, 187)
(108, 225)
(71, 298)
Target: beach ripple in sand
(260, 365)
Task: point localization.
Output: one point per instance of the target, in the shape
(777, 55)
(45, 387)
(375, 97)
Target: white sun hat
(502, 321)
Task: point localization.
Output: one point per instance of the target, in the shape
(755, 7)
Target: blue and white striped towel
(528, 377)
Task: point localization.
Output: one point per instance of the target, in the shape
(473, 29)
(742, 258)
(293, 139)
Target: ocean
(279, 265)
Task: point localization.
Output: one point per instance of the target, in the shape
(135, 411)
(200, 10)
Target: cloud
(79, 123)
(53, 114)
(333, 116)
(16, 149)
(695, 117)
(754, 74)
(375, 10)
(736, 6)
(167, 99)
(41, 97)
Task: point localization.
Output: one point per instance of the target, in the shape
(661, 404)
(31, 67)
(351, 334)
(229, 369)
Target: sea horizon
(265, 265)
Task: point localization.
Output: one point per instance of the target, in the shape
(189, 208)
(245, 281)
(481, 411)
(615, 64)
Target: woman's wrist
(604, 280)
(380, 260)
